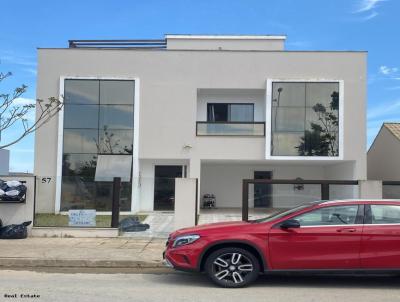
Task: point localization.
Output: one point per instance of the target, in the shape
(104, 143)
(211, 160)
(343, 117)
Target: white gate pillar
(370, 189)
(185, 202)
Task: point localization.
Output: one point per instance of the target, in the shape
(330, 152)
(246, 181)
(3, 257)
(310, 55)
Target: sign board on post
(82, 218)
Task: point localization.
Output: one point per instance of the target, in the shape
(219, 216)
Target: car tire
(232, 267)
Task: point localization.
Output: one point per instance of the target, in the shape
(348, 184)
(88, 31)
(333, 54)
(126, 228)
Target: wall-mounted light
(298, 187)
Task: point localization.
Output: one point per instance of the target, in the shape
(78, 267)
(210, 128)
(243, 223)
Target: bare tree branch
(13, 113)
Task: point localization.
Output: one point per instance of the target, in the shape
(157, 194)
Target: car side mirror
(290, 224)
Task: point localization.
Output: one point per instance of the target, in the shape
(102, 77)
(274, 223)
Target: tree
(321, 140)
(13, 113)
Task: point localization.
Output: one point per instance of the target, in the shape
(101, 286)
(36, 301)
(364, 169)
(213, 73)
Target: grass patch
(58, 220)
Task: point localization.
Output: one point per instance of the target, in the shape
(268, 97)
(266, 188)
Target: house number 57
(46, 180)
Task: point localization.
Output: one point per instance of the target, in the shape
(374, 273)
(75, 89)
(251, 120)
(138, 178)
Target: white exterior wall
(225, 43)
(225, 182)
(169, 103)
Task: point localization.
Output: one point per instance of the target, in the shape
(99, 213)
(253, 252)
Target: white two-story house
(217, 108)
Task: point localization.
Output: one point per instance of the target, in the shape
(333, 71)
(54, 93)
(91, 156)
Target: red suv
(336, 236)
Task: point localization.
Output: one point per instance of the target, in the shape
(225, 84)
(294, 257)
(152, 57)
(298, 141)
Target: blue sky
(371, 25)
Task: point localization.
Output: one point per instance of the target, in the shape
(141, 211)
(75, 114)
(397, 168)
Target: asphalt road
(176, 287)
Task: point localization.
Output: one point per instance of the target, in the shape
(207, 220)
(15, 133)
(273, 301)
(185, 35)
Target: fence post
(324, 191)
(115, 202)
(245, 200)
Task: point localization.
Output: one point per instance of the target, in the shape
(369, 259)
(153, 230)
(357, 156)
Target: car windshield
(284, 213)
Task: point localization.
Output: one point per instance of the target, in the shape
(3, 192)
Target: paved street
(192, 287)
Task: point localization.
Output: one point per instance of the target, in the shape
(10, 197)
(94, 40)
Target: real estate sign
(82, 218)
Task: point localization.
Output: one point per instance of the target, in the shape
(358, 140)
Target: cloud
(393, 88)
(387, 70)
(367, 9)
(384, 111)
(18, 59)
(367, 5)
(369, 17)
(24, 101)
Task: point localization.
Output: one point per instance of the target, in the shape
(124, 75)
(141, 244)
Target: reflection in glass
(224, 129)
(116, 141)
(80, 140)
(110, 166)
(305, 119)
(78, 193)
(288, 119)
(288, 94)
(285, 143)
(81, 92)
(116, 117)
(79, 165)
(81, 116)
(91, 129)
(117, 92)
(241, 112)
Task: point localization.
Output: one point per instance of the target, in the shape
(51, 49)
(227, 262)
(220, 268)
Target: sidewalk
(131, 253)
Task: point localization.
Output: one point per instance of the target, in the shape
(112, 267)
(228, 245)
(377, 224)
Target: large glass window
(98, 123)
(305, 119)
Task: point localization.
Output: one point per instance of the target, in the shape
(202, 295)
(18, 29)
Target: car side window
(385, 214)
(335, 215)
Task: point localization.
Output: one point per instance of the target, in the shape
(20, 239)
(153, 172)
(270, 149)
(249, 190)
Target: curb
(76, 263)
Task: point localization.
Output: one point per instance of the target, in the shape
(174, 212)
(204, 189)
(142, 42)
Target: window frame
(136, 132)
(368, 215)
(268, 130)
(209, 104)
(358, 221)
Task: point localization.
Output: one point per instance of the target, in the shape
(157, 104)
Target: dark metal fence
(324, 184)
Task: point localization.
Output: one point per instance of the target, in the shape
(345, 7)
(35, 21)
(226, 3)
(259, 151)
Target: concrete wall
(169, 83)
(383, 157)
(17, 213)
(4, 162)
(219, 43)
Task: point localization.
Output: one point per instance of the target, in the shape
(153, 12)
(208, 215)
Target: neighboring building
(4, 161)
(383, 155)
(217, 108)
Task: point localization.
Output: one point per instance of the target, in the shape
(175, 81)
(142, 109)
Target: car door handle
(346, 230)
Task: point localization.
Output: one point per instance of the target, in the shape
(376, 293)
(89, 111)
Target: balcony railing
(230, 129)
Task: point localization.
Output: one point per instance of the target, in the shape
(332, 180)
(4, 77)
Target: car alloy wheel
(232, 267)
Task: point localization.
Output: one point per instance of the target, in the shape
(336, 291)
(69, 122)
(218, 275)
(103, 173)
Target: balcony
(230, 129)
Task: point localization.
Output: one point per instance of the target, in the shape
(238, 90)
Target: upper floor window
(305, 119)
(234, 112)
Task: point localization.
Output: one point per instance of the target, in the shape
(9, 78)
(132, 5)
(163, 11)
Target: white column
(185, 202)
(370, 189)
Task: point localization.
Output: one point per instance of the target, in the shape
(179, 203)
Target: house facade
(383, 155)
(217, 108)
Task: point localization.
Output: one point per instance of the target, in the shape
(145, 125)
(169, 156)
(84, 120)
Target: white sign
(82, 218)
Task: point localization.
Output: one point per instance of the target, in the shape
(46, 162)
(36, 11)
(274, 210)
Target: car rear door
(328, 238)
(380, 244)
